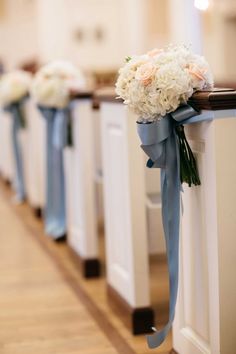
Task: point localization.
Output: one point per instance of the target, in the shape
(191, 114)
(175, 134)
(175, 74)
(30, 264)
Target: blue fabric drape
(160, 143)
(55, 213)
(15, 109)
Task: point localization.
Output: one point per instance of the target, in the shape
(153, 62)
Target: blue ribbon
(60, 133)
(55, 213)
(15, 109)
(159, 141)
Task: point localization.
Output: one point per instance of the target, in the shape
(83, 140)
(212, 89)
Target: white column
(185, 24)
(52, 29)
(205, 313)
(80, 188)
(125, 199)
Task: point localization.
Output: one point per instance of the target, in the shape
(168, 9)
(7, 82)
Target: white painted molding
(34, 155)
(7, 162)
(125, 201)
(205, 312)
(80, 183)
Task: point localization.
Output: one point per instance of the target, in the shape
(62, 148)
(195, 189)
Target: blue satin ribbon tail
(160, 143)
(18, 122)
(55, 213)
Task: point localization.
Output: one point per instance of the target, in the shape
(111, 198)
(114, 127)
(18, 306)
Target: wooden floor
(45, 305)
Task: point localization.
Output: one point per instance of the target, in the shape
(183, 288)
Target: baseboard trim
(7, 182)
(138, 320)
(90, 268)
(38, 213)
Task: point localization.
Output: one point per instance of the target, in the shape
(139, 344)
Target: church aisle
(46, 307)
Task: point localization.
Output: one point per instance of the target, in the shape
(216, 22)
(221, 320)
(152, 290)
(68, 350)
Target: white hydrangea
(14, 86)
(156, 83)
(54, 82)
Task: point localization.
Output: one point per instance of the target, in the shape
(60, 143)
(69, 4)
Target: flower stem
(188, 165)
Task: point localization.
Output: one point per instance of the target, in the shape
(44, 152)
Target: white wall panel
(125, 201)
(80, 183)
(205, 314)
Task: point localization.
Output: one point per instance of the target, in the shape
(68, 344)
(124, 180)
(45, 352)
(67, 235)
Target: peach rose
(152, 53)
(197, 72)
(145, 73)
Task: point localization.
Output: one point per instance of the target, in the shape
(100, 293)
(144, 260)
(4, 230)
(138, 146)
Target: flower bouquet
(14, 88)
(54, 83)
(52, 88)
(159, 83)
(157, 86)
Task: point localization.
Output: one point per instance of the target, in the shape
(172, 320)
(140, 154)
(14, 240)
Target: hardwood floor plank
(39, 311)
(46, 306)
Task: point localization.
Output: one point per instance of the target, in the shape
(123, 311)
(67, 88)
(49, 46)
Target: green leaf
(127, 59)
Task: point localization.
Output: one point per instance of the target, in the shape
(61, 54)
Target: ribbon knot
(62, 125)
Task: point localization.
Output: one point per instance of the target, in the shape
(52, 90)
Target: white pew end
(80, 188)
(34, 157)
(206, 314)
(125, 215)
(7, 161)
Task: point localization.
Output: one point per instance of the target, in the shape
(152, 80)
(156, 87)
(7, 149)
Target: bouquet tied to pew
(52, 88)
(54, 83)
(158, 85)
(14, 88)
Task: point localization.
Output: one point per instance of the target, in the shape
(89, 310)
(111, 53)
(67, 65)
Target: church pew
(80, 187)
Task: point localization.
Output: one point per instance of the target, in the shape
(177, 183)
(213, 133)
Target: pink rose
(197, 72)
(145, 73)
(154, 52)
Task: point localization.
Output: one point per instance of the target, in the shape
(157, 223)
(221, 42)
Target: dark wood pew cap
(87, 93)
(106, 94)
(214, 99)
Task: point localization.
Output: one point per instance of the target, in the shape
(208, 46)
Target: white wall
(210, 33)
(184, 22)
(52, 28)
(49, 29)
(158, 25)
(18, 31)
(218, 36)
(120, 21)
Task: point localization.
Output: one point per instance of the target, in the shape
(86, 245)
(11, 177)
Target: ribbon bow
(62, 125)
(15, 109)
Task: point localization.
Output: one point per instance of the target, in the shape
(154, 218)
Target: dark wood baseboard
(139, 320)
(90, 268)
(61, 239)
(38, 213)
(7, 182)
